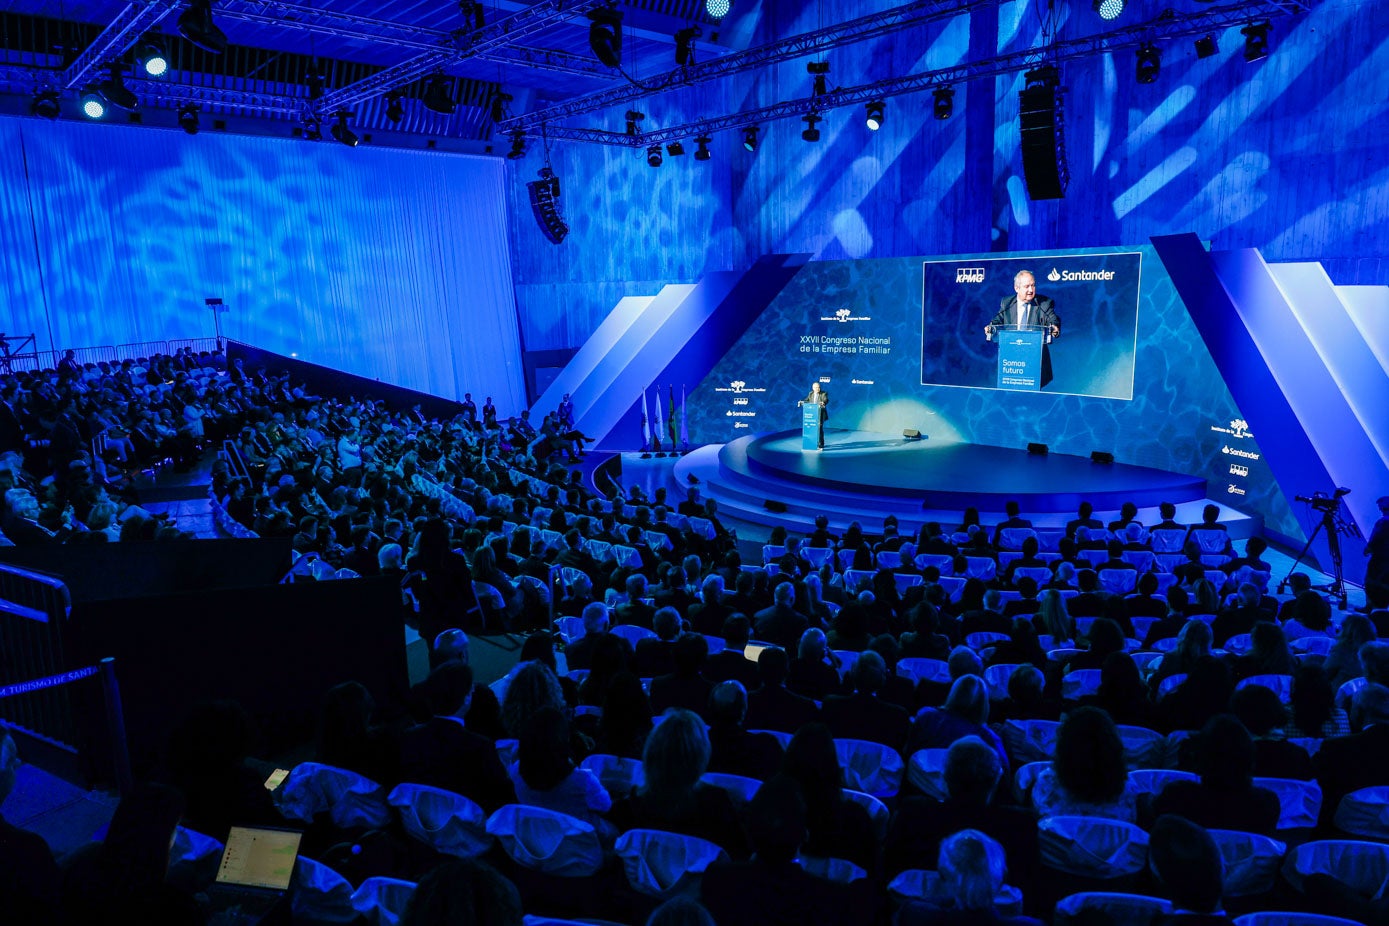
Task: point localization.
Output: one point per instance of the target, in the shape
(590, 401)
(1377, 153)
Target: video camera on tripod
(1335, 524)
(1323, 502)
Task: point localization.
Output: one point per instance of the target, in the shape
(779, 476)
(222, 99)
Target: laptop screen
(256, 857)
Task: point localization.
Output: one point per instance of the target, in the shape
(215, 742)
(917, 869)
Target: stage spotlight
(675, 149)
(810, 133)
(438, 95)
(1255, 41)
(152, 60)
(115, 90)
(315, 82)
(313, 130)
(874, 116)
(684, 46)
(702, 152)
(195, 24)
(605, 36)
(717, 9)
(342, 133)
(1206, 47)
(188, 118)
(93, 104)
(45, 104)
(633, 117)
(1149, 64)
(499, 107)
(653, 156)
(819, 70)
(1039, 450)
(395, 109)
(750, 138)
(472, 12)
(1109, 9)
(943, 102)
(518, 147)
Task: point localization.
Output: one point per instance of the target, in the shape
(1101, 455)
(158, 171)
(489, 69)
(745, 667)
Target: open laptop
(256, 868)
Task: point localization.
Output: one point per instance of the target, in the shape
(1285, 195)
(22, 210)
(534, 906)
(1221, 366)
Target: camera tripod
(1335, 526)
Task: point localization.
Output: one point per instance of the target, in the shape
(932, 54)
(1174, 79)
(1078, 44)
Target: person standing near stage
(821, 398)
(1377, 550)
(1026, 307)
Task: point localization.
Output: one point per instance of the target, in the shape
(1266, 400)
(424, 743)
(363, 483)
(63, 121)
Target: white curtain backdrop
(388, 264)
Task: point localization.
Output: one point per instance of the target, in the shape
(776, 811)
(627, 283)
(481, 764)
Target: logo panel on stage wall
(1092, 299)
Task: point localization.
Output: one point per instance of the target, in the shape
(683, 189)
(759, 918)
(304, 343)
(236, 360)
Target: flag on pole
(670, 419)
(656, 424)
(684, 425)
(645, 424)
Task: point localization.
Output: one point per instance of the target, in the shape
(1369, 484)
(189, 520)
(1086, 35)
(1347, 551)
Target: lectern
(1021, 350)
(810, 426)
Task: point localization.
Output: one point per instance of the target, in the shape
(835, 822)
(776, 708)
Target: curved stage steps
(863, 476)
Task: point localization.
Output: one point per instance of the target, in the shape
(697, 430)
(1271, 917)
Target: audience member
(1087, 775)
(971, 867)
(835, 826)
(1225, 796)
(863, 715)
(1188, 866)
(734, 750)
(29, 878)
(772, 706)
(463, 891)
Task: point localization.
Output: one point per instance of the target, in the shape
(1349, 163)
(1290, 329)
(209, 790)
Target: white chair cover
(847, 658)
(1145, 659)
(1166, 645)
(919, 669)
(838, 870)
(738, 787)
(1093, 557)
(1011, 538)
(665, 865)
(703, 527)
(352, 801)
(870, 767)
(996, 677)
(194, 858)
(318, 894)
(1347, 691)
(1119, 908)
(953, 585)
(906, 580)
(916, 884)
(658, 541)
(506, 751)
(1211, 541)
(1165, 580)
(782, 736)
(1240, 644)
(381, 901)
(617, 775)
(1143, 560)
(926, 771)
(1119, 581)
(1153, 780)
(1320, 644)
(1281, 685)
(977, 641)
(816, 556)
(571, 627)
(1280, 918)
(447, 822)
(1063, 654)
(878, 814)
(1080, 683)
(846, 558)
(1251, 861)
(1362, 866)
(629, 557)
(1365, 813)
(633, 633)
(1030, 740)
(853, 578)
(1025, 778)
(1049, 541)
(889, 559)
(942, 561)
(1039, 574)
(1170, 683)
(1092, 847)
(1167, 540)
(980, 567)
(1300, 801)
(547, 841)
(716, 644)
(1143, 748)
(772, 552)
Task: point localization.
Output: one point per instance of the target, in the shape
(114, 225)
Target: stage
(864, 476)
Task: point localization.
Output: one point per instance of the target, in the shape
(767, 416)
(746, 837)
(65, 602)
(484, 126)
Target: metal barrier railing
(48, 359)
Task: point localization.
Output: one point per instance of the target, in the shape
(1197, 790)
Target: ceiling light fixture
(702, 152)
(45, 104)
(93, 104)
(675, 149)
(684, 46)
(518, 146)
(195, 24)
(633, 117)
(750, 138)
(717, 9)
(1206, 47)
(874, 115)
(1149, 64)
(1255, 41)
(819, 71)
(188, 118)
(605, 36)
(653, 156)
(811, 133)
(395, 109)
(115, 90)
(943, 102)
(438, 95)
(152, 60)
(342, 133)
(499, 107)
(472, 12)
(1109, 9)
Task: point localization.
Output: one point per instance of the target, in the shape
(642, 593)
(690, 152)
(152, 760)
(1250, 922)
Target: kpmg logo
(739, 387)
(1238, 470)
(1242, 454)
(845, 315)
(969, 274)
(1239, 429)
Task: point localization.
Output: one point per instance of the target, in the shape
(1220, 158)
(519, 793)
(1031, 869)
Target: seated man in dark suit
(1084, 518)
(821, 536)
(1240, 617)
(657, 656)
(576, 557)
(989, 619)
(579, 654)
(863, 715)
(1253, 549)
(1091, 602)
(29, 878)
(634, 610)
(1168, 512)
(1028, 603)
(1349, 763)
(731, 663)
(771, 889)
(684, 687)
(691, 507)
(773, 707)
(733, 750)
(1188, 867)
(1027, 560)
(441, 752)
(1013, 510)
(781, 624)
(1116, 558)
(972, 774)
(935, 542)
(1145, 602)
(708, 615)
(1128, 514)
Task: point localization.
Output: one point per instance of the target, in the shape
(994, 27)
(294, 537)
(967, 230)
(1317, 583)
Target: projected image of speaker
(1041, 116)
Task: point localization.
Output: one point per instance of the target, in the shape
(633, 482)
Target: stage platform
(864, 476)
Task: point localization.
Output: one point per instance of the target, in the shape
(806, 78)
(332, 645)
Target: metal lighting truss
(857, 30)
(1165, 27)
(490, 39)
(130, 23)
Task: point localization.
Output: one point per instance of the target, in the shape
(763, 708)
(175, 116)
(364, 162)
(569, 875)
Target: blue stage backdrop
(1095, 297)
(856, 327)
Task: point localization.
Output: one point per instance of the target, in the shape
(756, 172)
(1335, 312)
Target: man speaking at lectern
(821, 398)
(1026, 307)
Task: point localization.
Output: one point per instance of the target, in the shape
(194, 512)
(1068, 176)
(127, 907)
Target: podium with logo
(810, 426)
(1022, 357)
